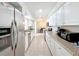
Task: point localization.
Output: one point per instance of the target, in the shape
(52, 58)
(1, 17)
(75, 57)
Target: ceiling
(40, 9)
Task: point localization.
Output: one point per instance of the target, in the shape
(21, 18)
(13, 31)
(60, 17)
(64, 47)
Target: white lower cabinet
(60, 51)
(55, 48)
(50, 43)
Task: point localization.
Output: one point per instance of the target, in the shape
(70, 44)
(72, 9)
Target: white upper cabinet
(71, 13)
(60, 16)
(57, 18)
(52, 20)
(67, 14)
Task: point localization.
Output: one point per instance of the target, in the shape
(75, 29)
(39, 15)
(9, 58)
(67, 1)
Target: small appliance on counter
(68, 35)
(49, 28)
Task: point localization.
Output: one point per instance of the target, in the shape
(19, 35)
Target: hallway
(38, 47)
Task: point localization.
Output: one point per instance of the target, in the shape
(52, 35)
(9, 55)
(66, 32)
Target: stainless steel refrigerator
(11, 18)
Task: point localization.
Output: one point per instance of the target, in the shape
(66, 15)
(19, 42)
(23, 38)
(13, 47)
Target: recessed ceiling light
(40, 16)
(40, 10)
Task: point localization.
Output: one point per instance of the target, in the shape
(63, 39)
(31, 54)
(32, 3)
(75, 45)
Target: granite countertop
(70, 47)
(5, 35)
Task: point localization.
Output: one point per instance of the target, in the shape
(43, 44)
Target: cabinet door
(60, 16)
(52, 20)
(57, 50)
(60, 51)
(48, 40)
(52, 46)
(50, 43)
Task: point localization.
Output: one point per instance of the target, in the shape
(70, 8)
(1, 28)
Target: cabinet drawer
(61, 51)
(65, 52)
(50, 43)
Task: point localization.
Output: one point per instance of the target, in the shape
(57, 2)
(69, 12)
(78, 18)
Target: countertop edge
(5, 35)
(71, 52)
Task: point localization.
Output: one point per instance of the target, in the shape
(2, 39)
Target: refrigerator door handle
(14, 36)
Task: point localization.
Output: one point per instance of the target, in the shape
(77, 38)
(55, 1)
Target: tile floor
(38, 47)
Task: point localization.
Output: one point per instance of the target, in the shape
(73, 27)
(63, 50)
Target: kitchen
(23, 22)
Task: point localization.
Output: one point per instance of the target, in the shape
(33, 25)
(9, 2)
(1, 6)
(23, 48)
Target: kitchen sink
(68, 35)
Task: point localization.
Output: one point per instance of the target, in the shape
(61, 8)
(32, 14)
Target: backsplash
(72, 28)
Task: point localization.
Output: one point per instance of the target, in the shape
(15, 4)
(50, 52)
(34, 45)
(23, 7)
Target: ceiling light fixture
(40, 10)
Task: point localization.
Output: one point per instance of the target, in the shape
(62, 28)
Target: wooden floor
(38, 47)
